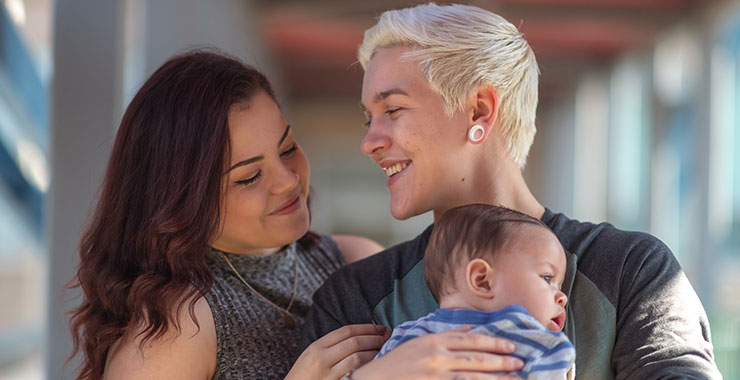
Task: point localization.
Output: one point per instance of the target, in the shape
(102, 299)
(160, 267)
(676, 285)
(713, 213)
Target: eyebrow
(554, 268)
(384, 94)
(260, 158)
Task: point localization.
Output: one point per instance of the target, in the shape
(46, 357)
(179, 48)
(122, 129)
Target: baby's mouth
(559, 321)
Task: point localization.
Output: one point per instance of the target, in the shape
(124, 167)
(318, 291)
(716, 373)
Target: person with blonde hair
(450, 97)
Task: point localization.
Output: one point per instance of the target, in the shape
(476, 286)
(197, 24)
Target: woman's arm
(189, 354)
(339, 351)
(356, 248)
(448, 355)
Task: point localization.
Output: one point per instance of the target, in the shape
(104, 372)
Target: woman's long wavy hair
(142, 257)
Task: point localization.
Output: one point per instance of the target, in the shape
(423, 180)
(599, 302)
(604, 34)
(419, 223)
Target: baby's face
(529, 271)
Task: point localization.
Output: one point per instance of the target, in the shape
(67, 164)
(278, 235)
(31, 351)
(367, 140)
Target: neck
(244, 251)
(452, 303)
(462, 300)
(500, 184)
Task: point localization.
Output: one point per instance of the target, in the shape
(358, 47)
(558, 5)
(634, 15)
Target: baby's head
(488, 257)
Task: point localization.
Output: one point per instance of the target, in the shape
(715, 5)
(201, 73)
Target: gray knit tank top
(253, 343)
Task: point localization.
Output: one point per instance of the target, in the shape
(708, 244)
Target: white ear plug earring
(474, 131)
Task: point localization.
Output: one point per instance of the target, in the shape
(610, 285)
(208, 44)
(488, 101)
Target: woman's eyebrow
(259, 158)
(383, 95)
(284, 136)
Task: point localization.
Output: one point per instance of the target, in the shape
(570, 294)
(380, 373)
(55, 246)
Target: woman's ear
(479, 278)
(484, 104)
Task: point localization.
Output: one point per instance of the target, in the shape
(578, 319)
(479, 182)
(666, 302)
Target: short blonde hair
(462, 47)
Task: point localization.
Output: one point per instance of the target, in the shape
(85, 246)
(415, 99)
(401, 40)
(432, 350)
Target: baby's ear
(480, 278)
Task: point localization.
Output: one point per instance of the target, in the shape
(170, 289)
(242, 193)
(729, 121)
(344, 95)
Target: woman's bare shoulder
(187, 354)
(356, 247)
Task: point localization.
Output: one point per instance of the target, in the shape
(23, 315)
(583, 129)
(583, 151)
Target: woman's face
(411, 138)
(266, 182)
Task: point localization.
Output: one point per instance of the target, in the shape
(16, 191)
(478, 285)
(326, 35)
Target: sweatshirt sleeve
(338, 302)
(351, 294)
(662, 329)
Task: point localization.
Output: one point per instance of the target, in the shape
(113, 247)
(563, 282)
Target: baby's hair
(465, 233)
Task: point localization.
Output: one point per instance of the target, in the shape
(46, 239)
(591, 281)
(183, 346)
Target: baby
(499, 271)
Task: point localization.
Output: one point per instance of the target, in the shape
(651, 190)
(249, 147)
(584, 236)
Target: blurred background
(638, 124)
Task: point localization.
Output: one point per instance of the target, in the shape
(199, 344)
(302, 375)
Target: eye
(547, 278)
(249, 181)
(392, 111)
(290, 151)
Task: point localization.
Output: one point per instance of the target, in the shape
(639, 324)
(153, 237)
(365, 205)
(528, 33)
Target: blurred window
(724, 176)
(629, 140)
(676, 129)
(724, 193)
(24, 180)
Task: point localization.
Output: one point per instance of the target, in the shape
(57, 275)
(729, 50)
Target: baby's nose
(561, 299)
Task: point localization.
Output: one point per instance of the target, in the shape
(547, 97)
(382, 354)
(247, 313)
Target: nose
(561, 299)
(375, 141)
(286, 179)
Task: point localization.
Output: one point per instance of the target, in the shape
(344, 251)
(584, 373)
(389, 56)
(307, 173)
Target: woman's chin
(401, 211)
(301, 226)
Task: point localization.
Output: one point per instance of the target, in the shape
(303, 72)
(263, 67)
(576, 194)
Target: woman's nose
(375, 141)
(286, 179)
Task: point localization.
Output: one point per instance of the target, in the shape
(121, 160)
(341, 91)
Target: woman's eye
(250, 180)
(290, 151)
(547, 278)
(392, 111)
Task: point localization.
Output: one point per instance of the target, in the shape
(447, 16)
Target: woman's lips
(392, 179)
(288, 207)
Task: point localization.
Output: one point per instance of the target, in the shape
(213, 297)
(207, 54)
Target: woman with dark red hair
(198, 262)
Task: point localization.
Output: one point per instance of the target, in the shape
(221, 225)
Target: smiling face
(266, 183)
(411, 138)
(529, 271)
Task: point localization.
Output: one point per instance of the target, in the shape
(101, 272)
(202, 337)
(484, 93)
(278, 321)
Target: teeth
(391, 170)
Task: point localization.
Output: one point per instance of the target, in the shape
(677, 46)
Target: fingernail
(510, 346)
(380, 328)
(518, 363)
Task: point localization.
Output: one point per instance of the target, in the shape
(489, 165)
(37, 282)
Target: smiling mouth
(395, 169)
(288, 207)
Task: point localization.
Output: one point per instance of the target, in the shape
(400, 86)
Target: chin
(398, 215)
(403, 212)
(302, 227)
(398, 211)
(291, 236)
(295, 229)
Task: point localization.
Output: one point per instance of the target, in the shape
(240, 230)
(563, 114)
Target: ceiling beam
(605, 4)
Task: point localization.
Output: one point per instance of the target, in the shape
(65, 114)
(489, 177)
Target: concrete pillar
(85, 105)
(158, 29)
